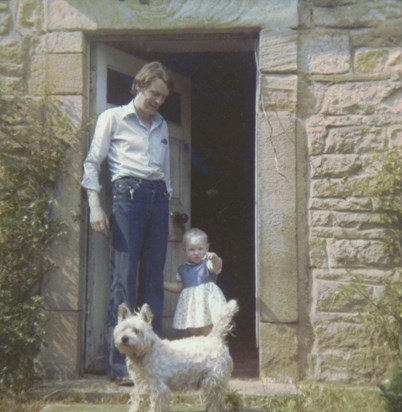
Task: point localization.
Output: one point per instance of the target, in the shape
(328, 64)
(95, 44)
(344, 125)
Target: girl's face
(151, 98)
(195, 250)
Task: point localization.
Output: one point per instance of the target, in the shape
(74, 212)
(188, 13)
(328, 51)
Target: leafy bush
(382, 320)
(33, 140)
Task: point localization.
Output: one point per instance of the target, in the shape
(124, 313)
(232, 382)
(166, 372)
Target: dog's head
(133, 334)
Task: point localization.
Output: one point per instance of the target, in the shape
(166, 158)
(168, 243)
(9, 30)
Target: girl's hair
(194, 233)
(150, 72)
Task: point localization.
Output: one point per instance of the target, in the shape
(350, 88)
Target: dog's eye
(135, 330)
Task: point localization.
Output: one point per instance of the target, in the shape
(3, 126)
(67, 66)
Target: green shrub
(392, 391)
(382, 319)
(33, 140)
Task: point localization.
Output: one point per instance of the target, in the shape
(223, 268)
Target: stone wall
(330, 97)
(350, 55)
(36, 64)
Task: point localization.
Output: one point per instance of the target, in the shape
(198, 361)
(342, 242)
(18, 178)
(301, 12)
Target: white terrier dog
(159, 366)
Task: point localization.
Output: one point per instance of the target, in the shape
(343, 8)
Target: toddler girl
(200, 298)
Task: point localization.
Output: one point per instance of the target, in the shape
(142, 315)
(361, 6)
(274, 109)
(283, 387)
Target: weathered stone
(279, 92)
(276, 146)
(62, 345)
(318, 252)
(64, 73)
(331, 188)
(355, 140)
(361, 221)
(336, 232)
(5, 22)
(278, 52)
(394, 134)
(335, 165)
(377, 60)
(176, 15)
(61, 287)
(11, 86)
(36, 81)
(11, 57)
(325, 53)
(369, 276)
(359, 14)
(363, 98)
(358, 253)
(352, 204)
(385, 35)
(278, 353)
(29, 14)
(342, 335)
(326, 298)
(346, 366)
(317, 136)
(61, 42)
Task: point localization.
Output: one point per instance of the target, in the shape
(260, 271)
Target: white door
(111, 73)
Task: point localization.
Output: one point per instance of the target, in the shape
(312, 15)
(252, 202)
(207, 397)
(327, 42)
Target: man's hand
(97, 216)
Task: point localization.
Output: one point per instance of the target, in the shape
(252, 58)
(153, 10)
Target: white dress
(200, 300)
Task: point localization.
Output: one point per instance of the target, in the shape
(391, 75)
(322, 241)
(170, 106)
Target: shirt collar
(129, 109)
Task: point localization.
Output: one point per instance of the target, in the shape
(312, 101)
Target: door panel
(111, 73)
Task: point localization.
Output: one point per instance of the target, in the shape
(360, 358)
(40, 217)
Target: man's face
(153, 96)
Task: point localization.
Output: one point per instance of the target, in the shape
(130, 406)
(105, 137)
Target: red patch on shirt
(164, 141)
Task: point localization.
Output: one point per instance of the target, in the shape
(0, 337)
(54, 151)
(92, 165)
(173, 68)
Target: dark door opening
(222, 181)
(222, 176)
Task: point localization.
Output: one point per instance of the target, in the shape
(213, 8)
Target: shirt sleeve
(97, 152)
(166, 166)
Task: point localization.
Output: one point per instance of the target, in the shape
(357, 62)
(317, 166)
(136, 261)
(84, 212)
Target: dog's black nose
(124, 339)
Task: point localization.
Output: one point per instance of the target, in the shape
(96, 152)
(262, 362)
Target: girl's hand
(210, 256)
(215, 260)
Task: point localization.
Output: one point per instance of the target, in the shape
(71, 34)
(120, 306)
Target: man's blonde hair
(194, 233)
(150, 72)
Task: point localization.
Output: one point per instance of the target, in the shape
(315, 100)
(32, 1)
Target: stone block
(358, 253)
(278, 353)
(362, 139)
(11, 86)
(351, 204)
(363, 98)
(278, 299)
(278, 52)
(394, 135)
(277, 152)
(326, 299)
(335, 166)
(62, 42)
(325, 53)
(65, 73)
(357, 14)
(60, 359)
(176, 15)
(279, 93)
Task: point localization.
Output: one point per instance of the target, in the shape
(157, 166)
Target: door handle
(179, 218)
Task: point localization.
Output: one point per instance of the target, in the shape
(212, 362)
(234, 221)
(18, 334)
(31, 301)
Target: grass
(311, 398)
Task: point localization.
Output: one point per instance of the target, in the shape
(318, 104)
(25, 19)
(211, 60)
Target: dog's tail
(224, 325)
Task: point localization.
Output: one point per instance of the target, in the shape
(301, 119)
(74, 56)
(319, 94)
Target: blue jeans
(139, 227)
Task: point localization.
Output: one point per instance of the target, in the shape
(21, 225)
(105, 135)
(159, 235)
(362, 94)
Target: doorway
(222, 177)
(222, 173)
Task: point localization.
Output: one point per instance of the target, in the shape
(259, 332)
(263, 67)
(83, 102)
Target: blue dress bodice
(195, 275)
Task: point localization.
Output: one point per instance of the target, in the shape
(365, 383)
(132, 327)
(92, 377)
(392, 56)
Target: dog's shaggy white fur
(159, 366)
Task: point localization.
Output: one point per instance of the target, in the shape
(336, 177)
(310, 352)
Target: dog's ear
(124, 312)
(146, 313)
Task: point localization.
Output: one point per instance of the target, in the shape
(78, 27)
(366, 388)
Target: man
(135, 140)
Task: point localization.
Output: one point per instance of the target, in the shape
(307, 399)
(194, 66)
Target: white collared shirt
(130, 147)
